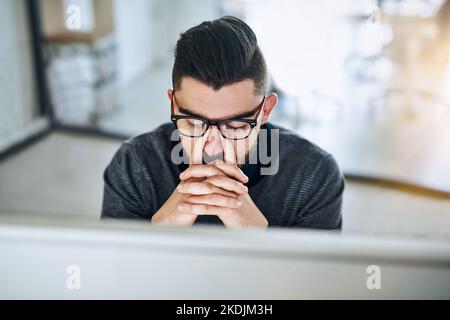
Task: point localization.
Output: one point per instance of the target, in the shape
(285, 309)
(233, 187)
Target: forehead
(228, 101)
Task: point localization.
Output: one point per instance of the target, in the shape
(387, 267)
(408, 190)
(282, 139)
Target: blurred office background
(369, 81)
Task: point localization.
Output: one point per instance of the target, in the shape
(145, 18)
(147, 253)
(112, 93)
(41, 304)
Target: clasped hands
(212, 189)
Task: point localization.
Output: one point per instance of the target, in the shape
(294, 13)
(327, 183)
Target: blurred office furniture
(82, 79)
(86, 259)
(367, 65)
(421, 53)
(394, 123)
(80, 59)
(403, 53)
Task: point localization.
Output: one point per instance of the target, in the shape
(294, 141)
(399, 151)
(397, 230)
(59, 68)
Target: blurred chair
(420, 53)
(402, 53)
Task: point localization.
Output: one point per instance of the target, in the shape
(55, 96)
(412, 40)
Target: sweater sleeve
(121, 196)
(324, 205)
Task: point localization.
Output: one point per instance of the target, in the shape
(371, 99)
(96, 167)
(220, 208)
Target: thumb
(228, 150)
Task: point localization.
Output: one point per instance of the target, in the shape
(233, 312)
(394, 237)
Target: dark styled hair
(219, 53)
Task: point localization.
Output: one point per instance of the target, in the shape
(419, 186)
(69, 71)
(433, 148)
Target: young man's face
(195, 98)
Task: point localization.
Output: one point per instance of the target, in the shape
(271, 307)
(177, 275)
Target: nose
(213, 145)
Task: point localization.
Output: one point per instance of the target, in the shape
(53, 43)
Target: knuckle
(208, 180)
(189, 187)
(213, 170)
(237, 184)
(183, 187)
(236, 169)
(230, 202)
(210, 187)
(226, 201)
(216, 198)
(217, 178)
(193, 169)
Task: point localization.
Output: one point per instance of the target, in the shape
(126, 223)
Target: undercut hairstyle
(220, 53)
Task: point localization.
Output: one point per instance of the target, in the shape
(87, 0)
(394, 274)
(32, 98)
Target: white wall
(18, 98)
(188, 13)
(132, 22)
(147, 30)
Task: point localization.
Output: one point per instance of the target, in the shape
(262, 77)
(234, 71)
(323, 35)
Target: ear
(170, 94)
(271, 102)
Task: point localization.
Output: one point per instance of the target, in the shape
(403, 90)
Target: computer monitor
(79, 258)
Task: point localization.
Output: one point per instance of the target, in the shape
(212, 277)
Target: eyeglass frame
(253, 122)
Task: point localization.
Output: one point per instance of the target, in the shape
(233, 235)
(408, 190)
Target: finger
(204, 209)
(196, 188)
(201, 188)
(194, 147)
(216, 200)
(219, 190)
(228, 149)
(199, 171)
(205, 171)
(227, 183)
(232, 171)
(227, 193)
(197, 150)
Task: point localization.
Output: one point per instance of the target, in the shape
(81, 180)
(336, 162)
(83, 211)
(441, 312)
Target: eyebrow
(239, 116)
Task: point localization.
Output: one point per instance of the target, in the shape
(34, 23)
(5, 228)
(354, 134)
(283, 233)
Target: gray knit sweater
(305, 192)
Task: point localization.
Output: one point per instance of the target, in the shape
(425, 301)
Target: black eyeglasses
(233, 129)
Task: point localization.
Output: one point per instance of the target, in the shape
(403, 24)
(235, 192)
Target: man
(199, 168)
